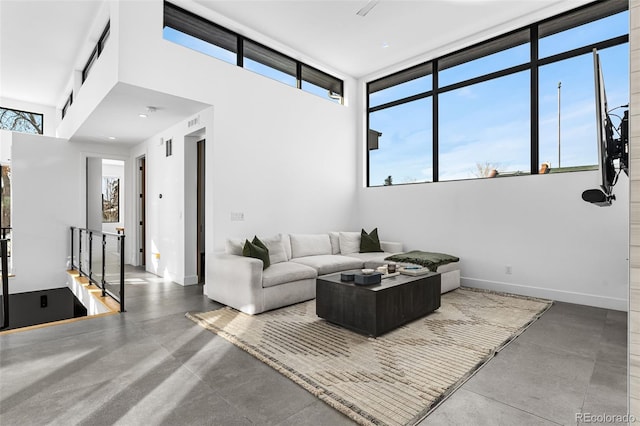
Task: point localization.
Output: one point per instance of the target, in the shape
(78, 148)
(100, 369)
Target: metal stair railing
(111, 247)
(4, 261)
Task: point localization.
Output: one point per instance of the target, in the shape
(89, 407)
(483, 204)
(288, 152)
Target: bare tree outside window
(486, 169)
(20, 121)
(110, 199)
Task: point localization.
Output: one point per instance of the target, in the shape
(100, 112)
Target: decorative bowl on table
(368, 271)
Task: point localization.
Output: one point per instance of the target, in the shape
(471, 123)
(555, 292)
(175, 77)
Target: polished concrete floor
(153, 366)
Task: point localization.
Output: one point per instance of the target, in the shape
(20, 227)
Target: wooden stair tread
(95, 292)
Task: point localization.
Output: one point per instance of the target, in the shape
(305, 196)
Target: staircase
(90, 295)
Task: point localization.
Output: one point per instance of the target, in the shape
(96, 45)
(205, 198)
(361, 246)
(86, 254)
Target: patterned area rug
(395, 379)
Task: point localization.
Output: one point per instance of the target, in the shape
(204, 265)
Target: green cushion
(258, 250)
(424, 258)
(370, 242)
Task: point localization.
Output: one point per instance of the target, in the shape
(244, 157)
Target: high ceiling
(42, 41)
(331, 33)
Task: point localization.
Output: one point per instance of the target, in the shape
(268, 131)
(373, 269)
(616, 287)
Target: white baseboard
(548, 293)
(190, 280)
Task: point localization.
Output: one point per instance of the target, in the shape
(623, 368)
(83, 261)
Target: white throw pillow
(349, 242)
(310, 245)
(276, 249)
(234, 246)
(335, 242)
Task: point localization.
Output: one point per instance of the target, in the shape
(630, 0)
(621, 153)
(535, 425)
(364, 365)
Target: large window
(577, 29)
(21, 121)
(485, 127)
(496, 55)
(502, 107)
(567, 106)
(192, 31)
(400, 148)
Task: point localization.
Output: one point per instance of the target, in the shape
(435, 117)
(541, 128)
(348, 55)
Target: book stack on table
(413, 270)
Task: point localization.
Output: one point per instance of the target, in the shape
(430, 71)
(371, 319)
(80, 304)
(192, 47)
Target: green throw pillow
(258, 250)
(370, 242)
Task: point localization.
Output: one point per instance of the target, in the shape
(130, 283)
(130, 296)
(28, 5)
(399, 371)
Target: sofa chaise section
(240, 282)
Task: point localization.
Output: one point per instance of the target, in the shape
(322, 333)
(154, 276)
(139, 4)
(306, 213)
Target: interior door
(142, 210)
(201, 212)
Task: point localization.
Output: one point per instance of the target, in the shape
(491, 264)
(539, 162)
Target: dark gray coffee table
(375, 309)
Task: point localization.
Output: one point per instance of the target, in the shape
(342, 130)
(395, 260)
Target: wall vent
(193, 122)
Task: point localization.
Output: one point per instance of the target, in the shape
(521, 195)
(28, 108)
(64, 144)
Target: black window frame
(266, 56)
(96, 52)
(67, 104)
(309, 74)
(26, 112)
(194, 25)
(578, 16)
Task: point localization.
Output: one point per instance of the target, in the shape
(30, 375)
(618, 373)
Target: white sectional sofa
(296, 261)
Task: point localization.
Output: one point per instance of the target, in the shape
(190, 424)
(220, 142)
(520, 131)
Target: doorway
(105, 194)
(142, 211)
(200, 188)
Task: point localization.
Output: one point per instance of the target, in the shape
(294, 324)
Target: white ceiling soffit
(393, 31)
(39, 44)
(117, 116)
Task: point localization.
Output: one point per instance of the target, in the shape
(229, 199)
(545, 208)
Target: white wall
(5, 146)
(557, 245)
(45, 186)
(634, 249)
(165, 203)
(94, 193)
(48, 196)
(102, 78)
(83, 52)
(282, 157)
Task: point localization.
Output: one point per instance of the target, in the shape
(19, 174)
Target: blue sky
(228, 56)
(489, 122)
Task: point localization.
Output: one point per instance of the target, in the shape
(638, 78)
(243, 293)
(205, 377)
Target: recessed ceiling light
(113, 138)
(142, 115)
(384, 45)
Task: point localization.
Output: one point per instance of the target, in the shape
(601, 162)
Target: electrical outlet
(507, 269)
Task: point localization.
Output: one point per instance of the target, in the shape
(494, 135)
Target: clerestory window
(192, 31)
